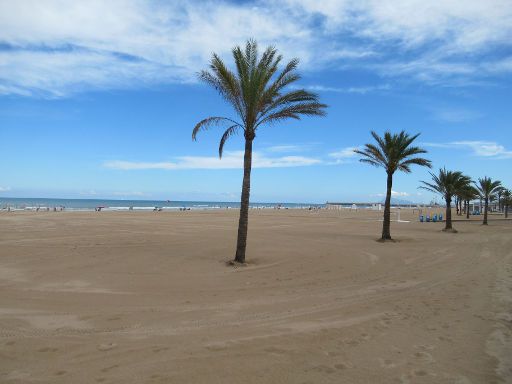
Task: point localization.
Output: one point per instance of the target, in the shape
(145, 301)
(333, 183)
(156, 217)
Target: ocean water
(121, 205)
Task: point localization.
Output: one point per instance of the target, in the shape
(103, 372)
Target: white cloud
(344, 153)
(488, 149)
(399, 194)
(230, 160)
(343, 156)
(53, 48)
(91, 192)
(288, 148)
(393, 194)
(456, 115)
(357, 90)
(5, 189)
(130, 194)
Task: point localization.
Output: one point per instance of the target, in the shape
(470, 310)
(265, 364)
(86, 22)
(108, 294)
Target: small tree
(393, 152)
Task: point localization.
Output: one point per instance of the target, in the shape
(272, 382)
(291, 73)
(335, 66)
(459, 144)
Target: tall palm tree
(507, 200)
(257, 93)
(447, 184)
(393, 152)
(486, 187)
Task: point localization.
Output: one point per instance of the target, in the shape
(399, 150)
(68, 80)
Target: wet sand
(147, 297)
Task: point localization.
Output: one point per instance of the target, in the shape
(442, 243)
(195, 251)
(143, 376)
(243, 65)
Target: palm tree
(468, 193)
(393, 152)
(507, 200)
(486, 187)
(256, 91)
(499, 193)
(447, 184)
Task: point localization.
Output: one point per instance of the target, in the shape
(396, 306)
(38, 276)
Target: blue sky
(98, 99)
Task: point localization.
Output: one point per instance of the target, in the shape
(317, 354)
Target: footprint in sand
(386, 363)
(106, 347)
(106, 369)
(424, 357)
(322, 368)
(275, 350)
(160, 349)
(47, 349)
(445, 338)
(343, 366)
(420, 373)
(425, 347)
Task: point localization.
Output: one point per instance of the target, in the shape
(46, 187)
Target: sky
(98, 99)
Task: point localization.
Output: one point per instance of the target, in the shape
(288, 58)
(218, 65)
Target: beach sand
(147, 297)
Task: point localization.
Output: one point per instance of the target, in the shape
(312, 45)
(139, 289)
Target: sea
(15, 203)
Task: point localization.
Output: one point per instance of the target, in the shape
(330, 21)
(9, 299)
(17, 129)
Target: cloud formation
(486, 149)
(50, 48)
(344, 153)
(230, 160)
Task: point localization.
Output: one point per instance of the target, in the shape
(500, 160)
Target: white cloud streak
(456, 115)
(357, 90)
(344, 153)
(486, 149)
(52, 48)
(230, 160)
(289, 148)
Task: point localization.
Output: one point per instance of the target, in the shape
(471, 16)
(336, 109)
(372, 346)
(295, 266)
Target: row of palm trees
(396, 152)
(257, 93)
(454, 184)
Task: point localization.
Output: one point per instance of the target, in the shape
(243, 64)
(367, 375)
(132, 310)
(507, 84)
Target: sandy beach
(147, 297)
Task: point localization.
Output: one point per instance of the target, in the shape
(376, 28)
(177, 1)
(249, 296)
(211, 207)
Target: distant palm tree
(468, 193)
(393, 152)
(447, 184)
(486, 187)
(499, 193)
(507, 200)
(256, 91)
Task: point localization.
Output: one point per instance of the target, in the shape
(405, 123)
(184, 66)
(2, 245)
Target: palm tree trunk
(386, 224)
(506, 211)
(467, 209)
(456, 205)
(448, 225)
(243, 222)
(485, 210)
